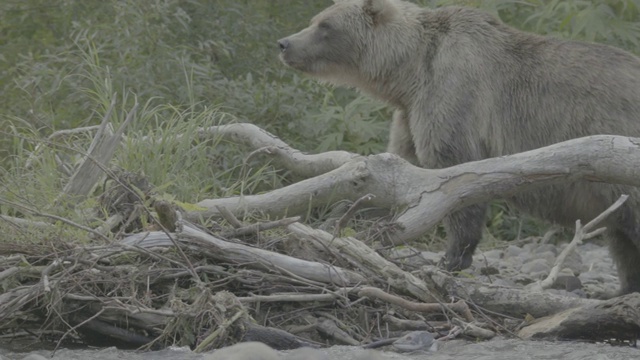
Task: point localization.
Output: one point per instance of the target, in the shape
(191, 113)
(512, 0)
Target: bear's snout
(283, 44)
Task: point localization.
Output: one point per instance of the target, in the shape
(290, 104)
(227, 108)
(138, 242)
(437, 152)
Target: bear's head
(353, 42)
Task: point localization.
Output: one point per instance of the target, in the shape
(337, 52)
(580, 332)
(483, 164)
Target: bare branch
(581, 233)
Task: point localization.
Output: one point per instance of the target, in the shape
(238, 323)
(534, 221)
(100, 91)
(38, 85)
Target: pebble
(513, 251)
(511, 264)
(541, 248)
(414, 341)
(566, 272)
(495, 254)
(431, 258)
(568, 283)
(548, 256)
(536, 267)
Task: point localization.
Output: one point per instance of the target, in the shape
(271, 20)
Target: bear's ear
(380, 10)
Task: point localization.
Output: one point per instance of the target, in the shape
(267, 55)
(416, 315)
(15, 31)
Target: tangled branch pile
(194, 288)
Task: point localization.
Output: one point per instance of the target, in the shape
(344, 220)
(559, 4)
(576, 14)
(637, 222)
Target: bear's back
(538, 89)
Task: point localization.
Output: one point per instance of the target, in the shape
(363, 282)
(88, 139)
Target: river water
(501, 349)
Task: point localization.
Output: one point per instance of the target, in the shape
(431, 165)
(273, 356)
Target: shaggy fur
(467, 87)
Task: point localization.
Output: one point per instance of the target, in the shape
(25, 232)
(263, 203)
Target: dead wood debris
(157, 279)
(140, 292)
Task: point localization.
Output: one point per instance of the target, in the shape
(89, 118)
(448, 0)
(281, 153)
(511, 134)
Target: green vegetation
(197, 63)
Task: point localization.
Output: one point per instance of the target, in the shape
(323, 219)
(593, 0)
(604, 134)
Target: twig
(256, 228)
(344, 218)
(74, 131)
(581, 233)
(74, 328)
(329, 328)
(294, 297)
(108, 224)
(231, 219)
(153, 255)
(26, 223)
(606, 213)
(55, 217)
(380, 343)
(459, 307)
(471, 329)
(549, 234)
(45, 274)
(412, 325)
(8, 272)
(222, 327)
(453, 333)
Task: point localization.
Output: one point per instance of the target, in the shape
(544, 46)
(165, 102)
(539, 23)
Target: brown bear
(467, 87)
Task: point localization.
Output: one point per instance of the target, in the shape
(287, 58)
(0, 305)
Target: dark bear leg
(624, 246)
(464, 231)
(627, 258)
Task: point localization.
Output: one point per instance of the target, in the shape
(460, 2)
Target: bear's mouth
(292, 63)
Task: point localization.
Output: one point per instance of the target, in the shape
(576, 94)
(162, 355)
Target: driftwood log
(597, 320)
(426, 194)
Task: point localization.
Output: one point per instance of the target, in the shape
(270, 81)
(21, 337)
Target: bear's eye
(324, 25)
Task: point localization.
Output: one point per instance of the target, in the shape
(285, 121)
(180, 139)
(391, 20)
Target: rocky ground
(588, 272)
(497, 349)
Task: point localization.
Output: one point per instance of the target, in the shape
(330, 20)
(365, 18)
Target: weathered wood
(509, 301)
(252, 256)
(370, 262)
(99, 154)
(275, 338)
(429, 194)
(305, 165)
(617, 318)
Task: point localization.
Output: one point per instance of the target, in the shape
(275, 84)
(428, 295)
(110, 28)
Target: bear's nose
(284, 44)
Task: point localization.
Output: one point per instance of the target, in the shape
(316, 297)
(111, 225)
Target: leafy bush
(196, 62)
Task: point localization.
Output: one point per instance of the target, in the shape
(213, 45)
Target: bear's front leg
(400, 138)
(464, 231)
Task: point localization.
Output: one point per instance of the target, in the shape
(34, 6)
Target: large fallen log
(510, 301)
(427, 195)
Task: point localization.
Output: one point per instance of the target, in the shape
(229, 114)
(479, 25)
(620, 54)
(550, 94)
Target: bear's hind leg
(626, 256)
(464, 231)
